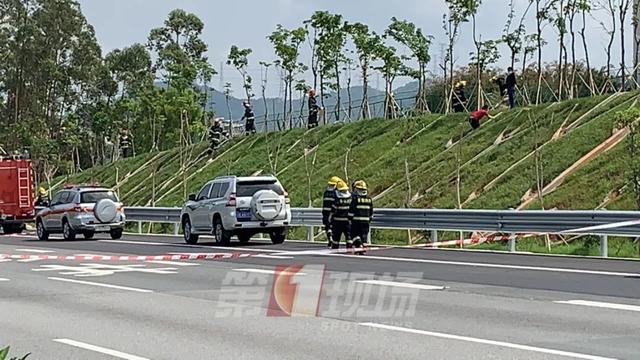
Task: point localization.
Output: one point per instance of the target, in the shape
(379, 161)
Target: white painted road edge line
(100, 284)
(487, 342)
(130, 242)
(487, 265)
(36, 251)
(99, 349)
(598, 304)
(401, 284)
(172, 263)
(4, 279)
(270, 272)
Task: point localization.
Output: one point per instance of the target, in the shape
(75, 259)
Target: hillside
(413, 162)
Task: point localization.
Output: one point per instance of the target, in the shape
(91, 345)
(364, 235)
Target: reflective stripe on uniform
(363, 207)
(361, 218)
(340, 219)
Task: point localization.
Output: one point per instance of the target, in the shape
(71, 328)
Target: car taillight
(232, 200)
(286, 198)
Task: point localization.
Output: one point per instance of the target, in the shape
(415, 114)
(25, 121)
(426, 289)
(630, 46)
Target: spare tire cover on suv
(266, 205)
(105, 211)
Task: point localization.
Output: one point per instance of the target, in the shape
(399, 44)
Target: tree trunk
(586, 51)
(337, 69)
(624, 8)
(539, 32)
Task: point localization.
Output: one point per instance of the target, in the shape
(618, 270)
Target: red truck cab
(16, 193)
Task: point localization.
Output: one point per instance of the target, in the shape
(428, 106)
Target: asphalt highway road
(390, 304)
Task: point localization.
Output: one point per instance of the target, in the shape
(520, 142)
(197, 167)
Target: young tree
(238, 58)
(623, 8)
(390, 66)
(542, 7)
(514, 38)
(264, 73)
(610, 7)
(458, 13)
(411, 36)
(366, 43)
(227, 97)
(486, 54)
(558, 19)
(287, 47)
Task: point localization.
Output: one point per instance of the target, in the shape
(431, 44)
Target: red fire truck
(16, 193)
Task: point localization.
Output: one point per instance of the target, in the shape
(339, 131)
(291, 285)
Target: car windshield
(95, 196)
(249, 188)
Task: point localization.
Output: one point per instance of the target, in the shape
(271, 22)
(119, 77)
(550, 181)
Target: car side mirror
(192, 197)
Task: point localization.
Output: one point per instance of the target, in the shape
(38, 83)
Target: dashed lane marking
(110, 286)
(487, 342)
(598, 304)
(401, 284)
(99, 349)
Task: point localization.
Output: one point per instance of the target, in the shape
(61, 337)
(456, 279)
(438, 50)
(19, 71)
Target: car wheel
(187, 231)
(244, 237)
(116, 234)
(222, 236)
(43, 235)
(89, 235)
(279, 236)
(67, 232)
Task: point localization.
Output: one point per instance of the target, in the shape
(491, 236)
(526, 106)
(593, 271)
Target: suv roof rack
(81, 186)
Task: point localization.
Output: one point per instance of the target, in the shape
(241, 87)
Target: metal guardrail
(503, 221)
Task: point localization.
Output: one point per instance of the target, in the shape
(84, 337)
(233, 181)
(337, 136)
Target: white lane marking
(99, 349)
(598, 304)
(100, 284)
(487, 265)
(172, 263)
(487, 342)
(189, 246)
(264, 256)
(271, 272)
(4, 279)
(401, 284)
(36, 251)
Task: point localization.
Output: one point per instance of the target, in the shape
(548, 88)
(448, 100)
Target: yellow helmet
(42, 191)
(461, 83)
(334, 180)
(342, 186)
(361, 185)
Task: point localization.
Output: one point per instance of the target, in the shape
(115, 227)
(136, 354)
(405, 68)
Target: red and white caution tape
(479, 240)
(177, 257)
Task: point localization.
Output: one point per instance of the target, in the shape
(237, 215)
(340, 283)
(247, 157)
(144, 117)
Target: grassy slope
(378, 151)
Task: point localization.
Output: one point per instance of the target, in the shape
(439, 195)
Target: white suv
(240, 206)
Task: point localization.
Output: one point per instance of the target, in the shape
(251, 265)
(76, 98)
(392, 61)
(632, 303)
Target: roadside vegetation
(497, 168)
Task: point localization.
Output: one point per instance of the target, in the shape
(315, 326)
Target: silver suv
(81, 209)
(240, 206)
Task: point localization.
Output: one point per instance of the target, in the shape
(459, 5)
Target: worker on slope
(126, 143)
(216, 133)
(360, 215)
(250, 117)
(314, 109)
(340, 224)
(476, 116)
(43, 197)
(328, 199)
(459, 97)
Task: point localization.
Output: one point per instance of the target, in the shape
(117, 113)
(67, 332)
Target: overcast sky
(246, 23)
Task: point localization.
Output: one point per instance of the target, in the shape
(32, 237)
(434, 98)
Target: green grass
(386, 152)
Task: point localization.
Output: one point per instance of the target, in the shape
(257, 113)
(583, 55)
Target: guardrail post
(139, 227)
(434, 236)
(604, 246)
(176, 228)
(310, 233)
(512, 243)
